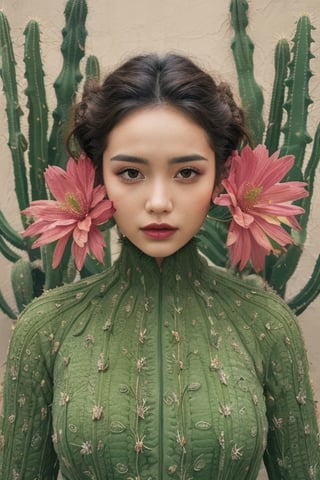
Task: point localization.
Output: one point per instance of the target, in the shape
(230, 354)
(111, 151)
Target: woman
(160, 367)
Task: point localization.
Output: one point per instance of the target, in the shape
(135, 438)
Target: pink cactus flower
(78, 210)
(259, 204)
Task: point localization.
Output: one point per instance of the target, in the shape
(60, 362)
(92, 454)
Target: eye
(188, 173)
(130, 174)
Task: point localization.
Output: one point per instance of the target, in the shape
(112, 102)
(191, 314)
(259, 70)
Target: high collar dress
(141, 373)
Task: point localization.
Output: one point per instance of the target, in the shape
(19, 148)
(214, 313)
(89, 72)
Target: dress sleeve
(292, 451)
(26, 448)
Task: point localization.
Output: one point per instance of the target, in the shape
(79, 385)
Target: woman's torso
(161, 376)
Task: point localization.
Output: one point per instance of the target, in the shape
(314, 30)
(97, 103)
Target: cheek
(204, 199)
(196, 212)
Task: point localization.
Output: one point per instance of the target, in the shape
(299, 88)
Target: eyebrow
(183, 159)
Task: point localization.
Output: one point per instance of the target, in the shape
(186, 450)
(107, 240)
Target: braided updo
(148, 80)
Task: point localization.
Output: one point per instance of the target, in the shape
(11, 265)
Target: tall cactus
(17, 141)
(290, 93)
(32, 271)
(38, 111)
(72, 48)
(281, 61)
(250, 92)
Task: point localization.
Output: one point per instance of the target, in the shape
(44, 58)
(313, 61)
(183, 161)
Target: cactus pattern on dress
(137, 373)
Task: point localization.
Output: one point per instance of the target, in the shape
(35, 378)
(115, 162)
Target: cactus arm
(92, 69)
(295, 141)
(6, 309)
(17, 143)
(6, 251)
(22, 283)
(74, 35)
(38, 111)
(250, 92)
(10, 234)
(309, 292)
(281, 60)
(287, 263)
(309, 177)
(53, 277)
(284, 268)
(295, 130)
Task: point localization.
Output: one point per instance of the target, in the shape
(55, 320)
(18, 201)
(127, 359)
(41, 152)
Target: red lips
(159, 231)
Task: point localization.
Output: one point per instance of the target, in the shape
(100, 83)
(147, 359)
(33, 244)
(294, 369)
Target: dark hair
(148, 80)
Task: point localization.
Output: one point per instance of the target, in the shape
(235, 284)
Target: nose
(159, 198)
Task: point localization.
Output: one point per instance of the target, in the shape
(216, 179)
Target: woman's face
(159, 171)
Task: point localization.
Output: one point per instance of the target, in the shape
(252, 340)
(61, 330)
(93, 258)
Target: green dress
(141, 373)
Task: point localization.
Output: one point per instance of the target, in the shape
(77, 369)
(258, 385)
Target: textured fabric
(136, 373)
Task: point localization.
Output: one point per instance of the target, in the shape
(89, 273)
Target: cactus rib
(17, 142)
(74, 36)
(92, 71)
(282, 57)
(295, 130)
(309, 292)
(287, 263)
(250, 92)
(38, 111)
(7, 252)
(6, 309)
(22, 284)
(10, 234)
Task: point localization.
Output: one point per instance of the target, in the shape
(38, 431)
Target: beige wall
(200, 28)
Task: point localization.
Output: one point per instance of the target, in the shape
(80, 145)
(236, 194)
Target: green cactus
(72, 48)
(38, 111)
(290, 93)
(281, 60)
(296, 138)
(22, 283)
(250, 92)
(17, 142)
(295, 130)
(30, 276)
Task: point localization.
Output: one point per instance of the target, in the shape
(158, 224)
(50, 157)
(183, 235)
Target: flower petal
(78, 208)
(239, 245)
(79, 254)
(243, 219)
(59, 250)
(53, 234)
(102, 212)
(96, 244)
(259, 204)
(81, 232)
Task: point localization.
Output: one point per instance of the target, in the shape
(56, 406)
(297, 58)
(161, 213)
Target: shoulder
(255, 307)
(48, 318)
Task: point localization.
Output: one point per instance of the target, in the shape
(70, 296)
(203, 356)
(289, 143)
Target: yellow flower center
(71, 204)
(250, 195)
